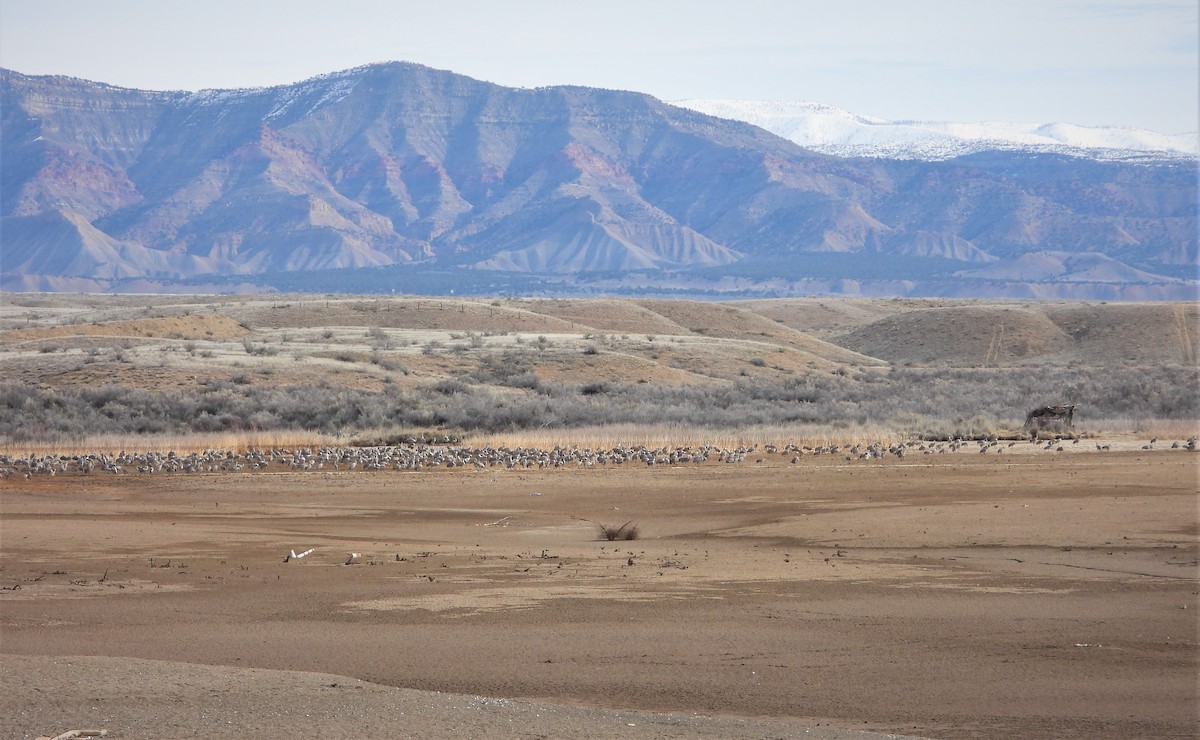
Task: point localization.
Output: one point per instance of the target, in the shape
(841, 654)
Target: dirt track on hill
(955, 596)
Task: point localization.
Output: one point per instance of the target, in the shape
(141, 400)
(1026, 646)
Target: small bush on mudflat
(612, 532)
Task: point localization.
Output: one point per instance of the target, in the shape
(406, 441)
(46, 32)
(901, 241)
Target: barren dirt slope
(985, 334)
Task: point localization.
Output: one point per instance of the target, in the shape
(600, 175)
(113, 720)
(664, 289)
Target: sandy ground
(952, 596)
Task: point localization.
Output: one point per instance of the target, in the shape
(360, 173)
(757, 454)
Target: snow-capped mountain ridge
(831, 130)
(386, 173)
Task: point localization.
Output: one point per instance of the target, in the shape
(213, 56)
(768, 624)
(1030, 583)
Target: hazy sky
(1094, 62)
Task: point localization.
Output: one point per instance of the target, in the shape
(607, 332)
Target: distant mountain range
(397, 177)
(831, 130)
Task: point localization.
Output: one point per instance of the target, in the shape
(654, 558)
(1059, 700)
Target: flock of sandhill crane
(430, 456)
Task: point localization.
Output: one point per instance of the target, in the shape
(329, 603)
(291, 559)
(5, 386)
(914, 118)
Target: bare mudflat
(950, 596)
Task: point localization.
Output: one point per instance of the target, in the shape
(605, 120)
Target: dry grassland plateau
(349, 516)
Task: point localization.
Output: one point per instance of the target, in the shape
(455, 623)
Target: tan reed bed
(652, 436)
(181, 443)
(672, 435)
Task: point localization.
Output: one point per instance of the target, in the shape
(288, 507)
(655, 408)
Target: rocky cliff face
(398, 164)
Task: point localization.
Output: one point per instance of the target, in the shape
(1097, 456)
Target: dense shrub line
(508, 396)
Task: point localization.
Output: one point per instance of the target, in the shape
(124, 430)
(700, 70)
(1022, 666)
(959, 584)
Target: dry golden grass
(181, 443)
(1131, 433)
(1167, 430)
(670, 436)
(653, 436)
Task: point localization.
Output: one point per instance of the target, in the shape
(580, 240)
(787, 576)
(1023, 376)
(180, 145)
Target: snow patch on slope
(831, 130)
(296, 100)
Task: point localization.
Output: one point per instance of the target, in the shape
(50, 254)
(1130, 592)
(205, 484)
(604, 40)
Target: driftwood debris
(69, 734)
(1047, 415)
(297, 555)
